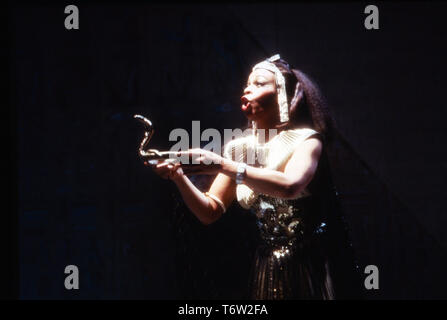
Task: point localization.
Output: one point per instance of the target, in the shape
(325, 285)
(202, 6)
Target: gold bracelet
(219, 202)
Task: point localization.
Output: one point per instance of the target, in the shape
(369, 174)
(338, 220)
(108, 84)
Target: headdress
(280, 85)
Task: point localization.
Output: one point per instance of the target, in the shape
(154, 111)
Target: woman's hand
(195, 161)
(201, 161)
(167, 169)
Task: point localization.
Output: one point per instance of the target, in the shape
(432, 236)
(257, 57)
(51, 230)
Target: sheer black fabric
(319, 262)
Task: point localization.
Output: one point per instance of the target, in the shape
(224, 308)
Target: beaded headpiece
(280, 85)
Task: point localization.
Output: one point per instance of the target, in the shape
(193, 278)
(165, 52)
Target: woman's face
(259, 101)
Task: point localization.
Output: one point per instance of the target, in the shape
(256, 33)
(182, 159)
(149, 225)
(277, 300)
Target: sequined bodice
(278, 220)
(282, 222)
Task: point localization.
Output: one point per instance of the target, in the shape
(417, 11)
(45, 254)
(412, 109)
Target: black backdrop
(84, 197)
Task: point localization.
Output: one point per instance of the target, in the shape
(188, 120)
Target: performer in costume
(285, 180)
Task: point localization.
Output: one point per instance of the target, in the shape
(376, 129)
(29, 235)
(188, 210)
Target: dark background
(84, 198)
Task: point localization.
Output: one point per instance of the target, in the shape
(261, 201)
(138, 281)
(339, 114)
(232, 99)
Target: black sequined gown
(303, 240)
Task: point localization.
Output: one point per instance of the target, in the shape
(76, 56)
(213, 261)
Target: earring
(254, 142)
(253, 125)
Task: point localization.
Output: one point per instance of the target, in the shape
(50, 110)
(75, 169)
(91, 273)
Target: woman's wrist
(178, 178)
(229, 168)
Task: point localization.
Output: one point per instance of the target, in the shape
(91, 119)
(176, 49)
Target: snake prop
(152, 156)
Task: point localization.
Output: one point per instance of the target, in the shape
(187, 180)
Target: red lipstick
(245, 103)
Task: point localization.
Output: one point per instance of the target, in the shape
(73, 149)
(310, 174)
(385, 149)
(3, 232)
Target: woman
(287, 185)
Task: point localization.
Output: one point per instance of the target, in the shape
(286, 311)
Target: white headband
(280, 85)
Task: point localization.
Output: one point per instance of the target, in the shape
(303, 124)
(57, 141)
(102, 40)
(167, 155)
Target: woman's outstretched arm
(284, 183)
(207, 209)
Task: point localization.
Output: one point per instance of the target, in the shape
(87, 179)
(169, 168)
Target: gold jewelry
(240, 174)
(280, 85)
(218, 201)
